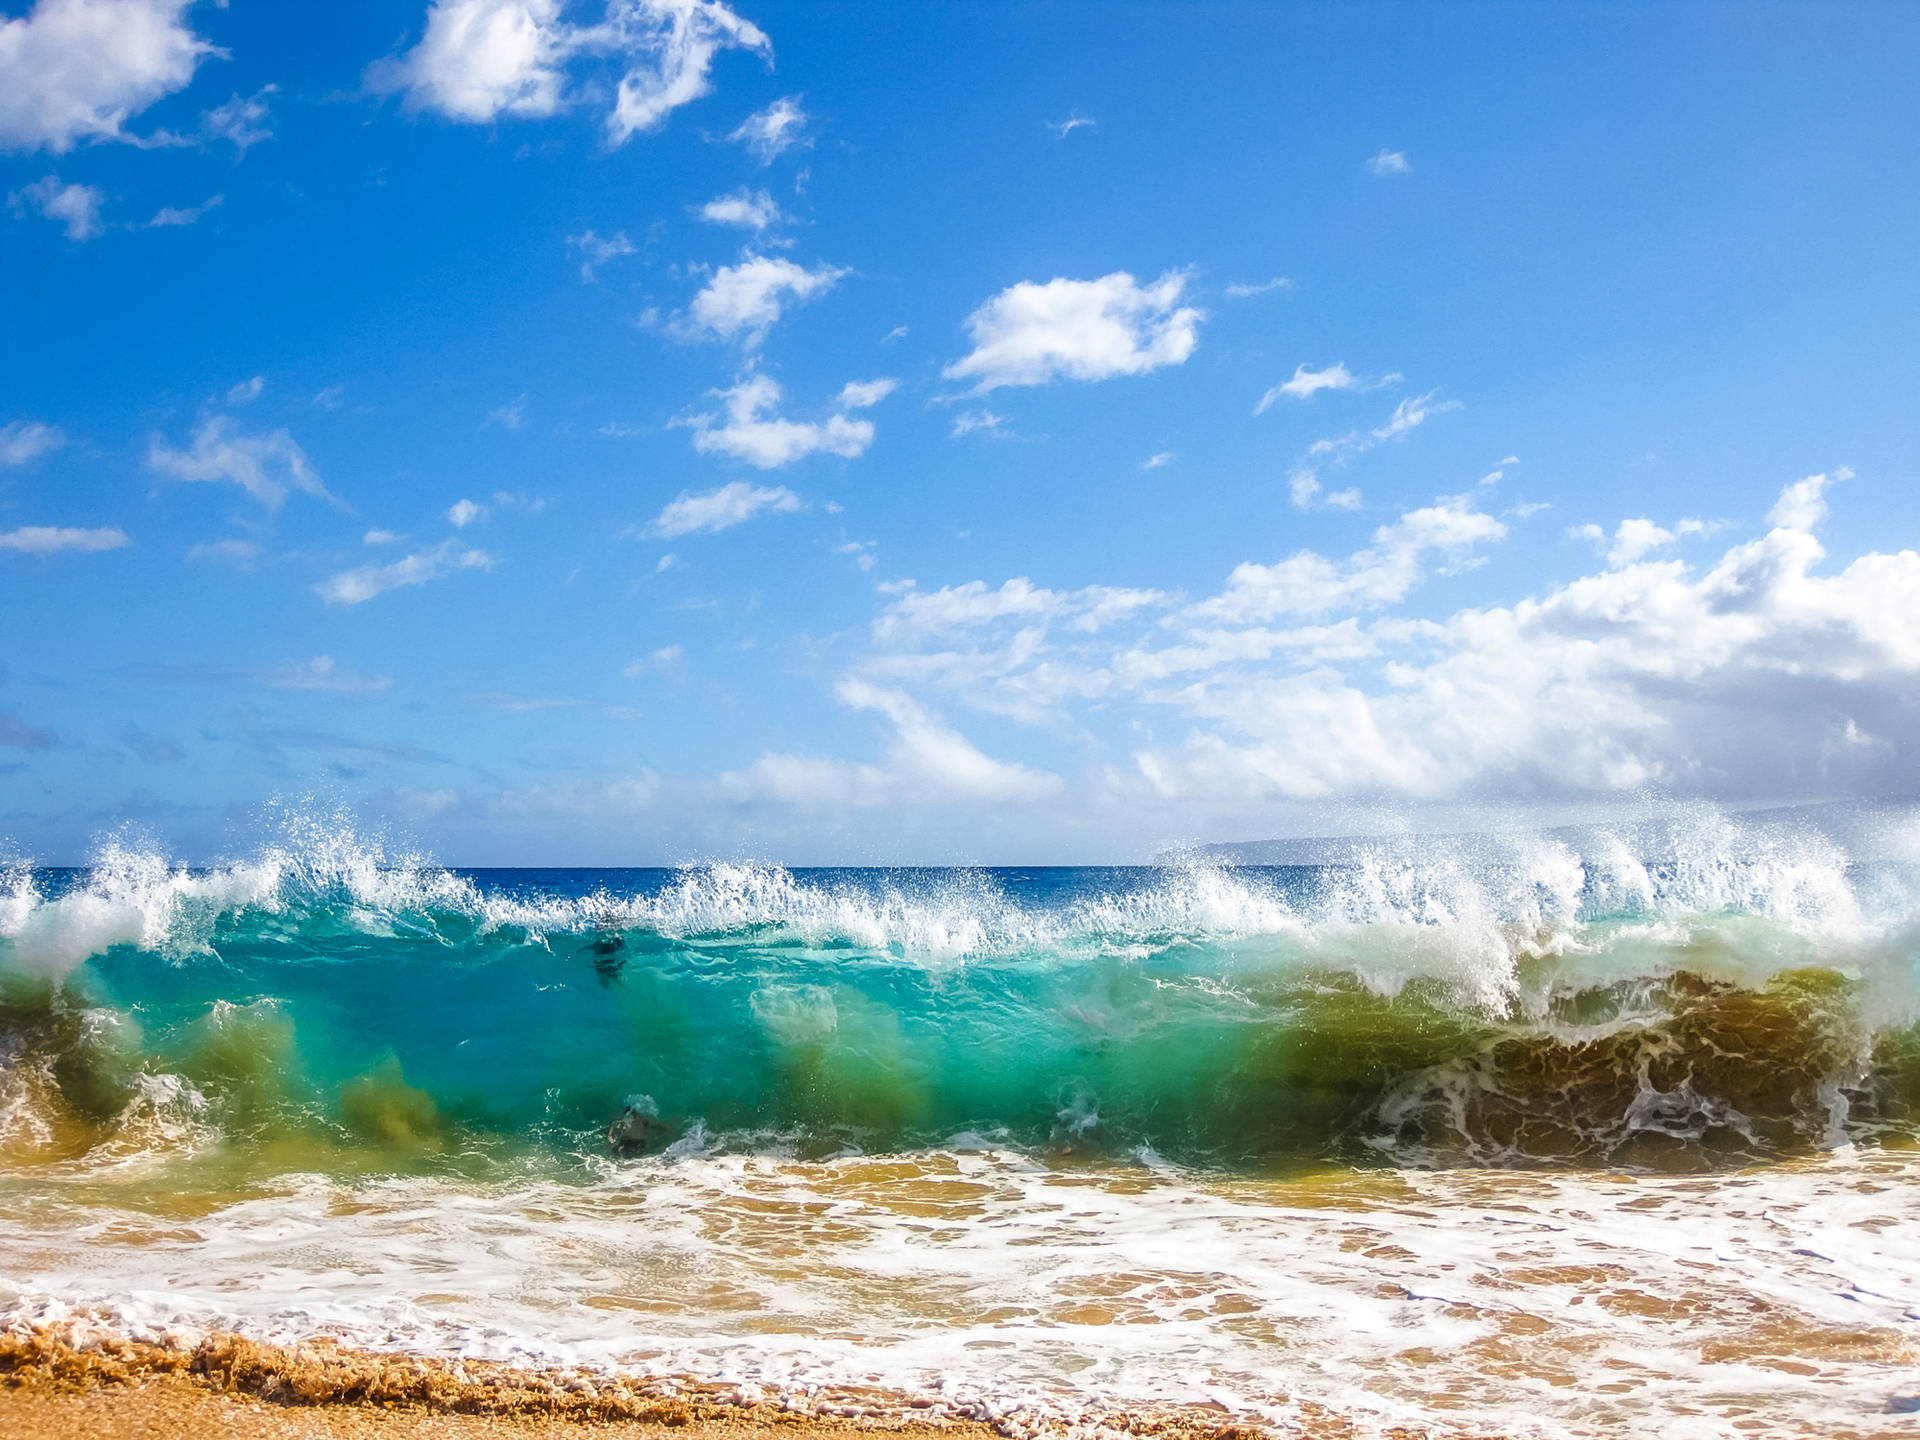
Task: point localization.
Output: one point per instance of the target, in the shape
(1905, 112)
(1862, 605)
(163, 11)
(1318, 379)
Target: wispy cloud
(596, 251)
(1239, 290)
(268, 466)
(1305, 485)
(722, 509)
(1389, 163)
(76, 208)
(481, 60)
(25, 440)
(54, 539)
(365, 582)
(1074, 121)
(769, 132)
(241, 122)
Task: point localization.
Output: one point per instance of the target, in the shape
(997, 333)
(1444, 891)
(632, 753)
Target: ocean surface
(1544, 1135)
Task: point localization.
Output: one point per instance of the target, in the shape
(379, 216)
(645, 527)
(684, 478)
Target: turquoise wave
(1632, 1003)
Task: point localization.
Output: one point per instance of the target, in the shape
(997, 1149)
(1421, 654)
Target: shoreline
(66, 1382)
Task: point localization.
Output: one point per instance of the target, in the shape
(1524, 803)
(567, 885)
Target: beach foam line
(82, 1353)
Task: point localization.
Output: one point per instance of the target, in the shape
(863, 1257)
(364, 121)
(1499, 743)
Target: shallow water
(1557, 1135)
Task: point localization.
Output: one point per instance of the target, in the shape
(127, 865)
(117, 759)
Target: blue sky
(632, 431)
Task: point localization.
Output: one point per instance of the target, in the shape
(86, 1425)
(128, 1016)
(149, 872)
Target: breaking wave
(1691, 991)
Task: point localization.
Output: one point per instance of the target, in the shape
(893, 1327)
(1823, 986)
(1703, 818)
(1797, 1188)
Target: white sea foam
(1472, 911)
(1781, 1302)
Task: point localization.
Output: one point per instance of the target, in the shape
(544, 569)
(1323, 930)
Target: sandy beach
(56, 1386)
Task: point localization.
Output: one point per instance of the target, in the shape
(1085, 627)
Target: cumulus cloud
(1759, 674)
(463, 513)
(76, 208)
(24, 440)
(766, 133)
(365, 582)
(742, 302)
(74, 70)
(1390, 163)
(52, 539)
(479, 60)
(750, 209)
(267, 466)
(748, 429)
(1636, 538)
(1030, 334)
(596, 250)
(722, 509)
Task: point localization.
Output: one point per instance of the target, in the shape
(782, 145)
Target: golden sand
(54, 1387)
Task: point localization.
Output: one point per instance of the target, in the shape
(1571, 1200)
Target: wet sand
(55, 1386)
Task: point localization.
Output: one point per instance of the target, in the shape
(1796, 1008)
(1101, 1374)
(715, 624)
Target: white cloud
(1390, 162)
(861, 553)
(1030, 333)
(750, 209)
(381, 537)
(53, 539)
(25, 440)
(749, 431)
(174, 216)
(1382, 574)
(267, 466)
(322, 672)
(1757, 675)
(1413, 411)
(463, 513)
(1074, 121)
(1306, 383)
(479, 60)
(926, 761)
(359, 585)
(1803, 505)
(241, 122)
(678, 39)
(1154, 462)
(865, 394)
(240, 554)
(742, 302)
(246, 390)
(778, 127)
(721, 509)
(664, 658)
(1304, 483)
(73, 70)
(968, 421)
(1636, 538)
(76, 207)
(510, 416)
(330, 398)
(1240, 290)
(596, 251)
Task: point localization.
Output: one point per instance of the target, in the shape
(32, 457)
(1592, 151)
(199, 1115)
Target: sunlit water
(1557, 1136)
